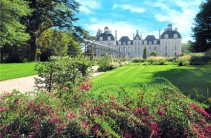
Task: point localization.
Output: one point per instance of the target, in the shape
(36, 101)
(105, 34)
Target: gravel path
(26, 84)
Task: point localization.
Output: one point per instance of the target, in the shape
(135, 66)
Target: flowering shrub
(147, 114)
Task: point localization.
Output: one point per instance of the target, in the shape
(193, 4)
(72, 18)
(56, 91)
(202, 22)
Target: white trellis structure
(96, 49)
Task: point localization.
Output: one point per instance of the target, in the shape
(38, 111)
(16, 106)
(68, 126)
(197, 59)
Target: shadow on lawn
(194, 82)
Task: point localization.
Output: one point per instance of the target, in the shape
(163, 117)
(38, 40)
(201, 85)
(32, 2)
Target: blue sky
(147, 16)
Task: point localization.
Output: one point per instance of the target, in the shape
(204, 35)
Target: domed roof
(105, 36)
(170, 34)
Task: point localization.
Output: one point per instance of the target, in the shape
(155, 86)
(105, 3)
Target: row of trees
(33, 29)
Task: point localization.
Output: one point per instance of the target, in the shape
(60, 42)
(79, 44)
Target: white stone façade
(168, 45)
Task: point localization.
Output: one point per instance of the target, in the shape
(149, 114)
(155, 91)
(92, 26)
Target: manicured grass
(16, 70)
(134, 76)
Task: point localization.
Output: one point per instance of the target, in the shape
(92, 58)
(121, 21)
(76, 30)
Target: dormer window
(129, 42)
(137, 38)
(119, 43)
(150, 42)
(175, 36)
(124, 43)
(155, 41)
(109, 38)
(101, 38)
(166, 36)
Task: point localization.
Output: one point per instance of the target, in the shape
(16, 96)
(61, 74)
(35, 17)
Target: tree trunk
(33, 49)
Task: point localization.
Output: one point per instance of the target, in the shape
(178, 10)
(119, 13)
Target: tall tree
(12, 31)
(51, 13)
(202, 29)
(145, 53)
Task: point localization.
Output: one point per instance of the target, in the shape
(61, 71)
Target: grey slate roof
(125, 39)
(105, 36)
(151, 38)
(170, 34)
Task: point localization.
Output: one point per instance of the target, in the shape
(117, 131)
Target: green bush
(138, 60)
(200, 60)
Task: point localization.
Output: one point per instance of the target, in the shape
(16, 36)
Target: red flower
(2, 109)
(139, 110)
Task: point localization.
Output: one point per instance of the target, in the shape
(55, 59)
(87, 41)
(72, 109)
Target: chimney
(116, 35)
(134, 36)
(159, 33)
(176, 29)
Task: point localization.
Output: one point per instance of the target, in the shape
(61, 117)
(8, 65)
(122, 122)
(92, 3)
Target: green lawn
(16, 70)
(134, 76)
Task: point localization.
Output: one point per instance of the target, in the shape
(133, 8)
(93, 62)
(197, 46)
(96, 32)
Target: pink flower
(2, 109)
(139, 110)
(59, 128)
(200, 110)
(208, 129)
(71, 116)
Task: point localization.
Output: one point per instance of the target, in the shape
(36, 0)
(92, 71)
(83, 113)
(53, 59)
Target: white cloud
(131, 8)
(87, 6)
(123, 29)
(93, 19)
(182, 19)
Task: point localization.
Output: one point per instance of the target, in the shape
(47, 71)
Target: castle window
(150, 42)
(138, 43)
(175, 36)
(119, 49)
(109, 37)
(119, 43)
(137, 38)
(124, 43)
(166, 36)
(155, 48)
(101, 38)
(124, 49)
(128, 49)
(155, 41)
(175, 48)
(109, 43)
(135, 43)
(150, 48)
(145, 42)
(166, 54)
(175, 54)
(166, 48)
(129, 42)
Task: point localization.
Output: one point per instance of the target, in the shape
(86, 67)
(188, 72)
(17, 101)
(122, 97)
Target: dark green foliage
(145, 53)
(200, 60)
(51, 13)
(202, 29)
(154, 53)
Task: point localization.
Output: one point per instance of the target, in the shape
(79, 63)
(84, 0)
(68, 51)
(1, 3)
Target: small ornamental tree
(145, 53)
(154, 53)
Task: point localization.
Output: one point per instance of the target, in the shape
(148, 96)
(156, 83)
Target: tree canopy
(58, 14)
(202, 29)
(12, 31)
